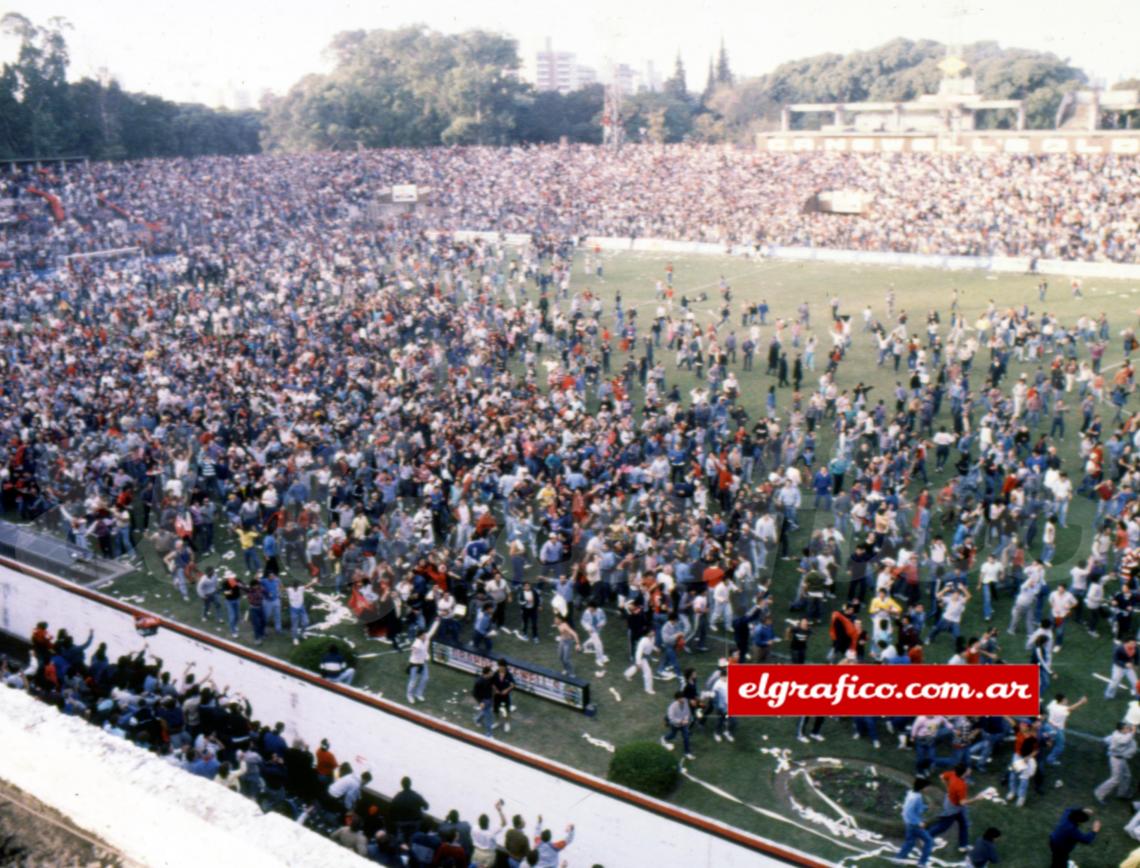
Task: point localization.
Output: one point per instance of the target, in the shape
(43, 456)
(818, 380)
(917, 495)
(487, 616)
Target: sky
(213, 50)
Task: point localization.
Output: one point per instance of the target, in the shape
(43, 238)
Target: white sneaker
(716, 738)
(507, 726)
(802, 738)
(1021, 802)
(728, 736)
(689, 756)
(817, 736)
(666, 744)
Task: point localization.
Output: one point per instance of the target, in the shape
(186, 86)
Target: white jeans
(1118, 673)
(594, 643)
(646, 674)
(1132, 827)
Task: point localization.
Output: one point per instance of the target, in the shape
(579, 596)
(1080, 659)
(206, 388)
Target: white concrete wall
(138, 804)
(448, 771)
(1001, 264)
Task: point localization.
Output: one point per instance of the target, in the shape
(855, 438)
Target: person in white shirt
(763, 539)
(722, 604)
(1023, 603)
(298, 615)
(988, 576)
(642, 654)
(418, 663)
(348, 786)
(1062, 489)
(1094, 601)
(954, 599)
(1057, 712)
(593, 620)
(1061, 603)
(485, 838)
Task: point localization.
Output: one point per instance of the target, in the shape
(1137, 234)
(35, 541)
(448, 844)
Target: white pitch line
(766, 813)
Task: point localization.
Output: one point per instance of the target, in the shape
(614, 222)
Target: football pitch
(757, 781)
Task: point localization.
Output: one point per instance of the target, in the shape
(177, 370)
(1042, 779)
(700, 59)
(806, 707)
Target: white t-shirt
(990, 572)
(954, 604)
(1058, 714)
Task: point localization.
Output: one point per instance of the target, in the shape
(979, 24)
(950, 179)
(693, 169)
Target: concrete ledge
(146, 809)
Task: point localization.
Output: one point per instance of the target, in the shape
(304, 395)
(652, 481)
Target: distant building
(560, 71)
(652, 80)
(953, 109)
(624, 78)
(586, 75)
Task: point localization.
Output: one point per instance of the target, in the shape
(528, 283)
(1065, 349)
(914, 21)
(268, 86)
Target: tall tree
(404, 87)
(42, 115)
(723, 73)
(39, 77)
(710, 85)
(676, 86)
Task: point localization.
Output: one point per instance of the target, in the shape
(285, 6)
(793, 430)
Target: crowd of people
(457, 435)
(211, 732)
(1053, 206)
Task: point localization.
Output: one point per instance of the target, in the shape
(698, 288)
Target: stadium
(403, 484)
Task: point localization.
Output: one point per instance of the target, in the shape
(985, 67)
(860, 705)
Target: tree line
(415, 87)
(43, 115)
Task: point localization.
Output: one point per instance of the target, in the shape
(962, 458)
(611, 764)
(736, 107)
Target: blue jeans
(233, 614)
(298, 621)
(1018, 785)
(953, 626)
(417, 680)
(485, 716)
(1054, 757)
(257, 621)
(209, 603)
(672, 734)
(914, 834)
(924, 754)
(987, 602)
(669, 661)
(945, 821)
(272, 611)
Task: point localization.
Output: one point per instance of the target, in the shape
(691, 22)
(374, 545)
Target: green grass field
(740, 778)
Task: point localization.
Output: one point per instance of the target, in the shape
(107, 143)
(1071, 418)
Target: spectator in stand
(407, 810)
(485, 839)
(549, 851)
